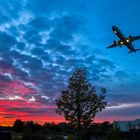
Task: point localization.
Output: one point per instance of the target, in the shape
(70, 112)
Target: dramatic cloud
(41, 44)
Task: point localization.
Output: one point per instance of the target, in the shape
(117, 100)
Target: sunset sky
(43, 41)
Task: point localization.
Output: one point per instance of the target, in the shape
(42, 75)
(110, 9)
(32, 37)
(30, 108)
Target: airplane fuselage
(123, 39)
(118, 32)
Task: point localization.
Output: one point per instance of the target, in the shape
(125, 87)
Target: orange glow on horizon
(56, 119)
(42, 119)
(10, 122)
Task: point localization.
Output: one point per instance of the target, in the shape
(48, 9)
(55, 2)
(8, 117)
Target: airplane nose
(113, 27)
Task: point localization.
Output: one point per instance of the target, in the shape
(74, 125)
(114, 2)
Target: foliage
(38, 137)
(18, 126)
(66, 127)
(106, 126)
(33, 126)
(80, 103)
(52, 127)
(70, 137)
(114, 134)
(86, 134)
(27, 134)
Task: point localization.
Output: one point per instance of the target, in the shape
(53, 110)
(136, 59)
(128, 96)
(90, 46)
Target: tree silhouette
(80, 103)
(33, 126)
(18, 126)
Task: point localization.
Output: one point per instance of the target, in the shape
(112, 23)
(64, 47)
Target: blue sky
(43, 42)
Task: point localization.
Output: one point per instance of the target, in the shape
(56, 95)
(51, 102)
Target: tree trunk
(78, 117)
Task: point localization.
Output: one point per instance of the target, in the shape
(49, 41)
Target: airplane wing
(113, 46)
(135, 38)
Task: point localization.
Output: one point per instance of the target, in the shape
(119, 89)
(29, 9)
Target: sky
(43, 41)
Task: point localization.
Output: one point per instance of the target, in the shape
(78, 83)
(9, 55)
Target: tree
(33, 126)
(52, 127)
(80, 103)
(27, 135)
(114, 134)
(18, 126)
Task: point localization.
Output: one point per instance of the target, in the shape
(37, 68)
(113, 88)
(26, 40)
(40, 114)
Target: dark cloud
(121, 75)
(6, 42)
(32, 37)
(29, 110)
(5, 78)
(122, 112)
(40, 24)
(42, 7)
(10, 10)
(47, 7)
(123, 97)
(9, 116)
(38, 52)
(106, 63)
(65, 27)
(5, 65)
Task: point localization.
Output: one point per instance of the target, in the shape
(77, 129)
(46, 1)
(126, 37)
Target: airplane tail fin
(134, 51)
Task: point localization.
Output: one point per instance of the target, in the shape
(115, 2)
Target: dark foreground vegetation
(79, 104)
(64, 131)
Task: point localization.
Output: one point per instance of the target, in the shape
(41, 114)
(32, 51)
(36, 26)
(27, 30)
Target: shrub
(70, 137)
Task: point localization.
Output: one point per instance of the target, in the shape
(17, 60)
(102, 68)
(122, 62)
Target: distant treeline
(30, 130)
(20, 126)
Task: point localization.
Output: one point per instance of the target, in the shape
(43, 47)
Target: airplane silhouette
(123, 40)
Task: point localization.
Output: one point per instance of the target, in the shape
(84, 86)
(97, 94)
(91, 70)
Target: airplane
(127, 41)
